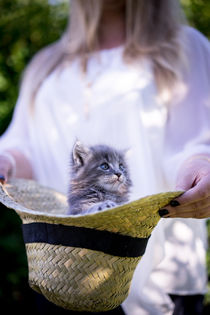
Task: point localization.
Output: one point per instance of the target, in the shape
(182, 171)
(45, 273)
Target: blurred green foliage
(198, 14)
(25, 27)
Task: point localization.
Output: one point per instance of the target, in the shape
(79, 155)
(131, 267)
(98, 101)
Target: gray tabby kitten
(99, 179)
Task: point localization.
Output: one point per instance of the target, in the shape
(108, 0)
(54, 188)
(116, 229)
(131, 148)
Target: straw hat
(82, 263)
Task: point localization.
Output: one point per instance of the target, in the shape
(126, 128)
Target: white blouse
(117, 104)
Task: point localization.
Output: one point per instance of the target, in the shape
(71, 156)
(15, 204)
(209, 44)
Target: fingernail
(2, 179)
(163, 212)
(174, 203)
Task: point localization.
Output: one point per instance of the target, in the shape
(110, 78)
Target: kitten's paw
(106, 205)
(102, 206)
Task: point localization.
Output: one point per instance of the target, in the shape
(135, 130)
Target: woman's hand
(193, 178)
(7, 167)
(14, 164)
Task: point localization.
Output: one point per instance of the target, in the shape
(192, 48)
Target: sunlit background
(25, 27)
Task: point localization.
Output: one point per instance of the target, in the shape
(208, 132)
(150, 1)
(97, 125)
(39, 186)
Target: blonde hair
(152, 31)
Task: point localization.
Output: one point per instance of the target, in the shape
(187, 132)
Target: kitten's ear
(80, 154)
(127, 153)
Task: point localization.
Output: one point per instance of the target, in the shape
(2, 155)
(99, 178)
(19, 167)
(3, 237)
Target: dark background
(25, 27)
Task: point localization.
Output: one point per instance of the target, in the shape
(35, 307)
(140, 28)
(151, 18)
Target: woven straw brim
(82, 263)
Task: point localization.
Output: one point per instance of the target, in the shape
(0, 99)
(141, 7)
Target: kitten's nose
(118, 174)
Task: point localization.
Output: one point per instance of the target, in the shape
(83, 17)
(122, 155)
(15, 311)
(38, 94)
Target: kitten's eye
(104, 166)
(121, 167)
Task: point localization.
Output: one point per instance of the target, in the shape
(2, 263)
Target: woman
(127, 73)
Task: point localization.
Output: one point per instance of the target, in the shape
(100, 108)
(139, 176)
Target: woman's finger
(200, 191)
(198, 205)
(5, 168)
(198, 214)
(191, 202)
(2, 179)
(186, 210)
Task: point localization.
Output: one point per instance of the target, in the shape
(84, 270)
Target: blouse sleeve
(188, 128)
(199, 50)
(17, 135)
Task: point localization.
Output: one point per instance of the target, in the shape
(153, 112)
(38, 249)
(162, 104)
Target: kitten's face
(101, 166)
(112, 174)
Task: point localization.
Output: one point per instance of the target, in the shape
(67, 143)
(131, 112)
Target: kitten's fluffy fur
(99, 179)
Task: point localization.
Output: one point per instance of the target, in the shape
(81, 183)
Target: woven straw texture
(77, 278)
